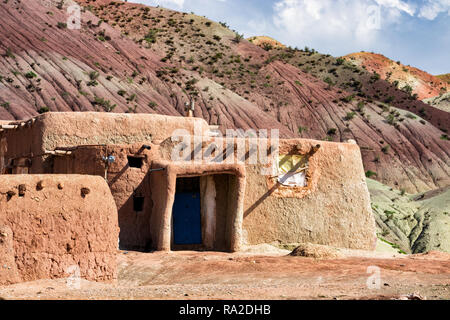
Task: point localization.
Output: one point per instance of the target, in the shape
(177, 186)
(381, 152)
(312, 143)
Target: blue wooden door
(187, 226)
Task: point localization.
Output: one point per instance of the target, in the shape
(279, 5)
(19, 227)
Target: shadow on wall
(261, 200)
(135, 215)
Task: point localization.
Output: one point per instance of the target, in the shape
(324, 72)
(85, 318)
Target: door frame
(163, 194)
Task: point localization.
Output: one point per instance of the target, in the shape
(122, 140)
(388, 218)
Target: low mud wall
(54, 226)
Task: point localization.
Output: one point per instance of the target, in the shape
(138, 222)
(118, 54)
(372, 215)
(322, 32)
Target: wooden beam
(9, 126)
(58, 152)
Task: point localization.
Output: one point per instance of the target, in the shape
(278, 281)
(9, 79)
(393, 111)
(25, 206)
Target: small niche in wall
(135, 162)
(138, 203)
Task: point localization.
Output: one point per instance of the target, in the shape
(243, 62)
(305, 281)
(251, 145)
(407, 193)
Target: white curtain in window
(292, 170)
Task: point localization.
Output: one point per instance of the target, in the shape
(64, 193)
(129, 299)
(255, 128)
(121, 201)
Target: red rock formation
(445, 77)
(266, 42)
(75, 71)
(422, 83)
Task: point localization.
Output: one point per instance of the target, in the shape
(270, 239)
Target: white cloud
(352, 23)
(399, 5)
(433, 8)
(257, 26)
(177, 3)
(355, 23)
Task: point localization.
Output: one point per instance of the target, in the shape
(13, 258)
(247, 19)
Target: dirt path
(194, 275)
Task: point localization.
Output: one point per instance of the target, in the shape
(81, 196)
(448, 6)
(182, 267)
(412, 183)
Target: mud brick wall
(50, 223)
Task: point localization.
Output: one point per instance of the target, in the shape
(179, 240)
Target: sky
(415, 32)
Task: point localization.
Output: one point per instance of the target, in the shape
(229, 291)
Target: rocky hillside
(46, 66)
(266, 43)
(133, 58)
(346, 76)
(445, 77)
(414, 223)
(441, 102)
(419, 82)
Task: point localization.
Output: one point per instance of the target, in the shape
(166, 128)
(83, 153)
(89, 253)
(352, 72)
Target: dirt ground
(257, 274)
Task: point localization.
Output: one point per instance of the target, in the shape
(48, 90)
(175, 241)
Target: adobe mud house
(167, 204)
